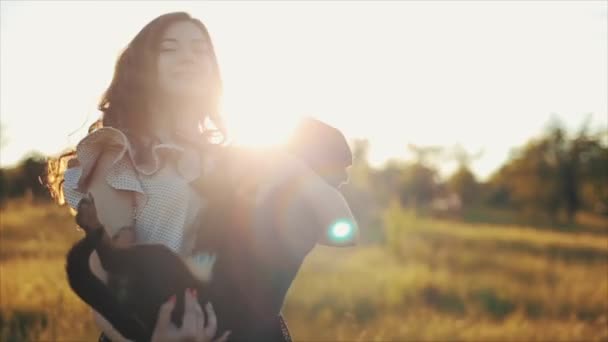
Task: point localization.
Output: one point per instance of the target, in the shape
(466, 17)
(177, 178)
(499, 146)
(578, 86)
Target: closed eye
(168, 44)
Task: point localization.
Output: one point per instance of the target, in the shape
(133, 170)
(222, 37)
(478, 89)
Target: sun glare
(257, 123)
(256, 129)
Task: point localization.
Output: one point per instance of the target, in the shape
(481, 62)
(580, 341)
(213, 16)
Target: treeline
(25, 180)
(552, 177)
(547, 181)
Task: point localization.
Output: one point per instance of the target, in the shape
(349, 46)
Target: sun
(261, 105)
(259, 125)
(257, 128)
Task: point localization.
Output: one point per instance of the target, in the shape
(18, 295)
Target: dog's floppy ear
(324, 148)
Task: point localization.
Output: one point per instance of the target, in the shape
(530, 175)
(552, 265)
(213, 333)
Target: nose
(187, 56)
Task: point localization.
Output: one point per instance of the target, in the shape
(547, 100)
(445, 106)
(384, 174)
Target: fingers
(200, 317)
(189, 321)
(164, 314)
(193, 317)
(193, 325)
(211, 326)
(224, 337)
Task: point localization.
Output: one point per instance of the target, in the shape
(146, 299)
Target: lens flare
(341, 231)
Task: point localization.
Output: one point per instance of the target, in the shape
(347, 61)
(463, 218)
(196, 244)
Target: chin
(182, 93)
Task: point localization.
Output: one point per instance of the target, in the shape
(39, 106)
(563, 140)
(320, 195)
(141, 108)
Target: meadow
(430, 280)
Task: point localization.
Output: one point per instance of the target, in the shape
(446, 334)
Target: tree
(420, 185)
(464, 184)
(463, 181)
(33, 169)
(25, 178)
(420, 179)
(555, 174)
(3, 187)
(388, 181)
(592, 156)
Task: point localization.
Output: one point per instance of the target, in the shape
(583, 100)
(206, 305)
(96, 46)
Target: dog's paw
(201, 266)
(86, 217)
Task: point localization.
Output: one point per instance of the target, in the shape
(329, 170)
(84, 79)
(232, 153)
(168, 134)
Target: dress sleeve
(121, 174)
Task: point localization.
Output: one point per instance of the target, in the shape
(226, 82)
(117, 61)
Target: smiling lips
(188, 75)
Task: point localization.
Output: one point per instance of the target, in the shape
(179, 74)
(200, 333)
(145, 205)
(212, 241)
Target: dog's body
(251, 275)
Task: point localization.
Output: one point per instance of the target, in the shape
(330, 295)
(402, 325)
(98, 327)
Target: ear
(324, 148)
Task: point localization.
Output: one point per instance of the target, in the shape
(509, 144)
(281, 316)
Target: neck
(168, 117)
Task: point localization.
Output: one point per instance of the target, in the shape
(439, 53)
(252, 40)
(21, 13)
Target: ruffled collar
(188, 160)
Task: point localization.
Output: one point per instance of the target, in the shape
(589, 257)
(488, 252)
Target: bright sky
(485, 75)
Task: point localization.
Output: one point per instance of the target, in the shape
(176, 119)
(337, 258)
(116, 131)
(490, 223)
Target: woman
(160, 131)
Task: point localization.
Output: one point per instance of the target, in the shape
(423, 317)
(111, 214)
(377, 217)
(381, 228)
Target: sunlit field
(431, 281)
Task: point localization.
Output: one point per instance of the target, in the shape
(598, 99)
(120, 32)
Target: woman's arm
(315, 206)
(114, 208)
(329, 207)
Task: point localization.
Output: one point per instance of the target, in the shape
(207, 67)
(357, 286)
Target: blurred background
(480, 139)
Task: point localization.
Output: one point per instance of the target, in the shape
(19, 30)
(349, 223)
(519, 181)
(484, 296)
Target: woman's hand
(193, 327)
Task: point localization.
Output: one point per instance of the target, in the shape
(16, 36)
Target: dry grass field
(433, 280)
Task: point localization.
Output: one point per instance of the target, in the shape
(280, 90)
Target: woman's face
(185, 61)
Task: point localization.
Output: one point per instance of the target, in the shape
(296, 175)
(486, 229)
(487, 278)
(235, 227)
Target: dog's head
(324, 148)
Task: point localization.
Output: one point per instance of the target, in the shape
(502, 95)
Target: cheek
(205, 71)
(207, 66)
(163, 74)
(169, 84)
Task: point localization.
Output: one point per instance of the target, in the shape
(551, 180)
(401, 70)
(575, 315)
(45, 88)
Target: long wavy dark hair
(124, 103)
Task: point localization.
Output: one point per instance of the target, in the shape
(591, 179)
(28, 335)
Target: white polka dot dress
(165, 203)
